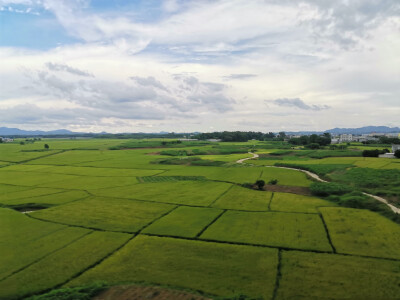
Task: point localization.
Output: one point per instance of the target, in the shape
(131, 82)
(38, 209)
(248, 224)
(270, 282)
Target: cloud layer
(202, 65)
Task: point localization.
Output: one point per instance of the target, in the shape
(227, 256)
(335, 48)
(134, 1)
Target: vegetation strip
(270, 200)
(212, 222)
(220, 196)
(278, 275)
(327, 232)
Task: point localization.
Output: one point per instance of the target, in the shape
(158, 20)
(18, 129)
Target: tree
(397, 153)
(46, 146)
(260, 184)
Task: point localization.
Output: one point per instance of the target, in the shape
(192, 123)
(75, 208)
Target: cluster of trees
(313, 141)
(241, 136)
(374, 153)
(384, 140)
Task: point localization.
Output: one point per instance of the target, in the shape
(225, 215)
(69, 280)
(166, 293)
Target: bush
(328, 188)
(372, 153)
(260, 184)
(397, 153)
(273, 181)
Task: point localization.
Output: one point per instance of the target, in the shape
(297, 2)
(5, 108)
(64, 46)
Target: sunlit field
(131, 212)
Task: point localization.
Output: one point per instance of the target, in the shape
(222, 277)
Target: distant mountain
(365, 130)
(16, 131)
(356, 131)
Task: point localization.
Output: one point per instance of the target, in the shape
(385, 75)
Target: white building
(6, 140)
(346, 138)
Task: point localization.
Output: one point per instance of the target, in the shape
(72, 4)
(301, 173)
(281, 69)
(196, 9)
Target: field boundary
(46, 255)
(212, 222)
(278, 275)
(326, 230)
(218, 197)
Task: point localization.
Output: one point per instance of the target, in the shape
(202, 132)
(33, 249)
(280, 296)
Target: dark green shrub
(397, 153)
(371, 153)
(260, 184)
(273, 181)
(328, 188)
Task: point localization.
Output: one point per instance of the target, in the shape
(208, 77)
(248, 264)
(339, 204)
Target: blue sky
(172, 65)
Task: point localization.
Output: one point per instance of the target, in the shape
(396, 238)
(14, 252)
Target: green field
(329, 276)
(219, 269)
(184, 222)
(297, 203)
(362, 232)
(241, 198)
(84, 212)
(287, 230)
(106, 213)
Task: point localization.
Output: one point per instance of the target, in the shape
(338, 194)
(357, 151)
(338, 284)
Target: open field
(362, 232)
(195, 193)
(329, 276)
(121, 217)
(287, 230)
(106, 213)
(297, 203)
(191, 264)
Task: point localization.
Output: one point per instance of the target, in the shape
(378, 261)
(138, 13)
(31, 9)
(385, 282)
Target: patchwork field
(81, 213)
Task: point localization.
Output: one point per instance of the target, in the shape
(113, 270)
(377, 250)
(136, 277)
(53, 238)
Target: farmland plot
(219, 269)
(26, 192)
(86, 182)
(297, 203)
(184, 221)
(231, 174)
(362, 232)
(289, 230)
(240, 198)
(24, 240)
(307, 275)
(62, 265)
(30, 178)
(48, 199)
(105, 213)
(197, 193)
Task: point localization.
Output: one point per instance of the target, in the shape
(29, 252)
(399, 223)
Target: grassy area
(289, 230)
(106, 213)
(190, 264)
(62, 265)
(297, 203)
(362, 232)
(24, 240)
(328, 276)
(184, 222)
(380, 182)
(50, 200)
(241, 198)
(197, 193)
(198, 227)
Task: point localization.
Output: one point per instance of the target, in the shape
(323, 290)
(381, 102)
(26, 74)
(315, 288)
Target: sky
(185, 66)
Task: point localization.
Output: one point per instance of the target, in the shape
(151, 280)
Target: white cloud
(211, 63)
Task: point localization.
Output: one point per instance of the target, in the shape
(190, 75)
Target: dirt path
(316, 177)
(243, 159)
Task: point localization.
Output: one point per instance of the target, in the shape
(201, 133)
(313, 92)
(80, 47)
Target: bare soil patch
(133, 292)
(288, 189)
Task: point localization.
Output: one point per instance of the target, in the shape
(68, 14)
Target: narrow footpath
(316, 177)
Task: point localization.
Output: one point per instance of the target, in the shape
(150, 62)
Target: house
(346, 138)
(6, 140)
